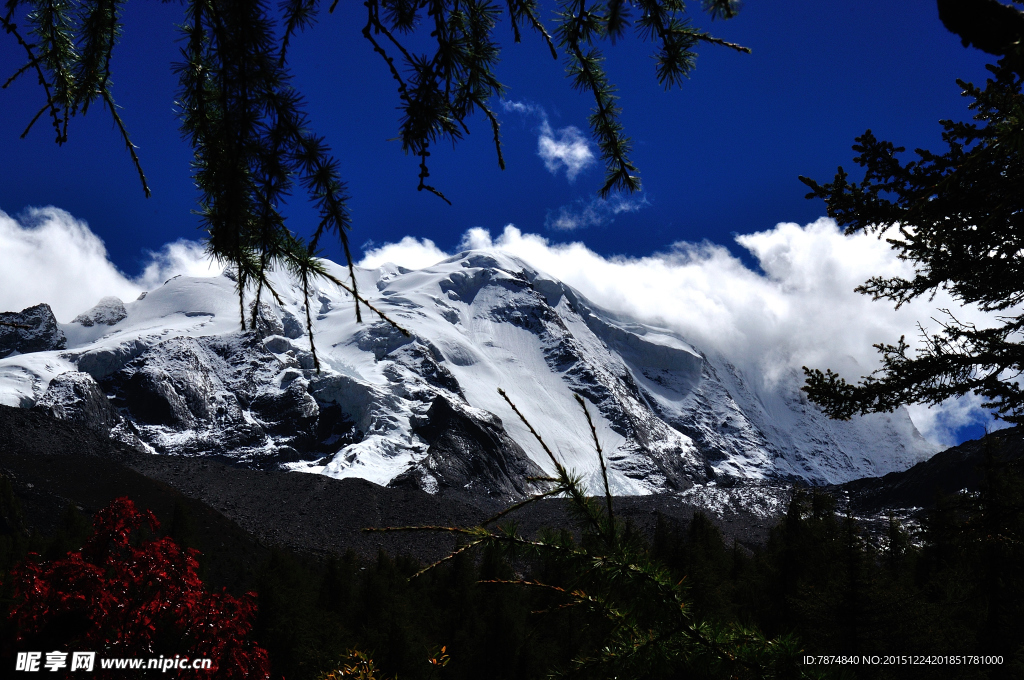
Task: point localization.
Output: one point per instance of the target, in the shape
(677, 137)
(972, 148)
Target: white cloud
(566, 148)
(594, 213)
(409, 252)
(940, 422)
(46, 255)
(183, 257)
(800, 309)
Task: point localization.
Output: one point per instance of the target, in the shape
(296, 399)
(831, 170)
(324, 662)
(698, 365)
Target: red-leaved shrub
(133, 601)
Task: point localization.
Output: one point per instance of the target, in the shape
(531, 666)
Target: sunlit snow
(659, 403)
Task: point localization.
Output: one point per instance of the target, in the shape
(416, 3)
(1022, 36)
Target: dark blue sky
(719, 155)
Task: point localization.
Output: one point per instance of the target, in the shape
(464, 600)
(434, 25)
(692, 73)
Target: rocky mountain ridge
(172, 374)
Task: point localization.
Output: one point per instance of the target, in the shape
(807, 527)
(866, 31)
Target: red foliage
(123, 600)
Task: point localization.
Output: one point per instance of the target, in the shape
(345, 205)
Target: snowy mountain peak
(108, 311)
(424, 409)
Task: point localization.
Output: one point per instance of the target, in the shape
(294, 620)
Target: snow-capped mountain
(173, 372)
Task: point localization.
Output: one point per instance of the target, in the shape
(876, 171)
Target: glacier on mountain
(423, 409)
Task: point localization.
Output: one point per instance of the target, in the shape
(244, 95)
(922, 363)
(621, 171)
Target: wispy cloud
(46, 255)
(566, 148)
(593, 213)
(798, 307)
(524, 108)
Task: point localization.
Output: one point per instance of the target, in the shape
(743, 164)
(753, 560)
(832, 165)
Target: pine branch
(515, 506)
(587, 74)
(12, 29)
(528, 8)
(298, 16)
(955, 216)
(604, 468)
(127, 140)
(536, 435)
(245, 122)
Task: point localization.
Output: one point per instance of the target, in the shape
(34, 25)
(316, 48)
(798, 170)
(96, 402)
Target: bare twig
(424, 527)
(20, 71)
(704, 37)
(127, 140)
(373, 309)
(425, 173)
(496, 129)
(34, 119)
(516, 506)
(535, 22)
(455, 553)
(558, 466)
(604, 468)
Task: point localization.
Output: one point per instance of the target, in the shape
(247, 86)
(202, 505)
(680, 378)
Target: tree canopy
(958, 217)
(253, 143)
(988, 25)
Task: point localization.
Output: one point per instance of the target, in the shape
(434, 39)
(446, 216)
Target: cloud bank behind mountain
(46, 255)
(796, 307)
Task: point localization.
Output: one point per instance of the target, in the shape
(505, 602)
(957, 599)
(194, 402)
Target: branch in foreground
(651, 624)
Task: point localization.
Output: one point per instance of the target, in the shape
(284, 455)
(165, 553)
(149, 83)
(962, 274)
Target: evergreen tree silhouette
(958, 217)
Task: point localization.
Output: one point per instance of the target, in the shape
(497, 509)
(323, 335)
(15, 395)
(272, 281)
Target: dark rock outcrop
(470, 455)
(151, 398)
(287, 411)
(33, 329)
(176, 384)
(103, 362)
(234, 397)
(76, 397)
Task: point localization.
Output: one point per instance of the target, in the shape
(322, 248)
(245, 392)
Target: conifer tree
(989, 25)
(246, 123)
(958, 217)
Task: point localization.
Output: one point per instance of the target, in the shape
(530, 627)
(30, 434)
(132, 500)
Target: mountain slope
(423, 410)
(959, 469)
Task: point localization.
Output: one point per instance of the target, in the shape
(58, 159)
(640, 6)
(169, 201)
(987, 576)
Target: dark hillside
(53, 463)
(944, 474)
(808, 569)
(234, 511)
